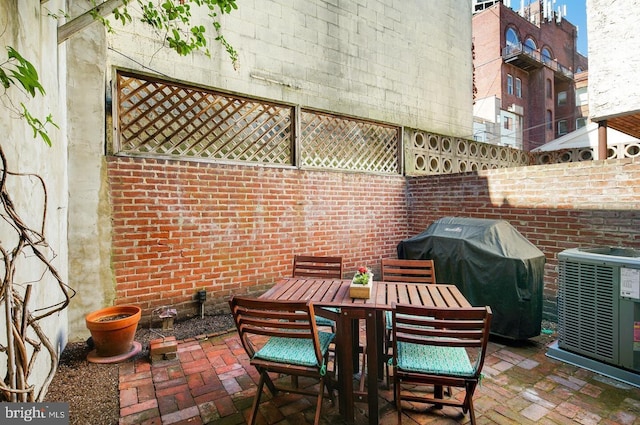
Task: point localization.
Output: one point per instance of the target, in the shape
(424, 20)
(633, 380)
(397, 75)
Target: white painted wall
(614, 64)
(27, 27)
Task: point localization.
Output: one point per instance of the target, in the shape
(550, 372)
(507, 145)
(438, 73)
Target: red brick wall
(232, 229)
(556, 207)
(180, 226)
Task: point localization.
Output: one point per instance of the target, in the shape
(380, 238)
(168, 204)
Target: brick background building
(524, 69)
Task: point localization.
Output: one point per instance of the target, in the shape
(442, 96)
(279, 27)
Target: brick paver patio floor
(211, 382)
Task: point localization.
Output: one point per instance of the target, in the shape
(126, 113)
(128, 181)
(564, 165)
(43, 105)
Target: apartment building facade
(525, 67)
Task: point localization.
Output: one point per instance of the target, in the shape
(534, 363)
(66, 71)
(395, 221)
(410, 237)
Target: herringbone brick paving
(211, 382)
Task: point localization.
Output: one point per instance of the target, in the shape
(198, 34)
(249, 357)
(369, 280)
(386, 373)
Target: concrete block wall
(556, 207)
(182, 226)
(370, 59)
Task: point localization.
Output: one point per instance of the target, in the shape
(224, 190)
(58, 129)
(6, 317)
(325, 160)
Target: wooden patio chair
(320, 267)
(396, 270)
(317, 267)
(282, 337)
(439, 347)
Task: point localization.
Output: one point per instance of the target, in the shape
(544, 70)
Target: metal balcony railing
(527, 58)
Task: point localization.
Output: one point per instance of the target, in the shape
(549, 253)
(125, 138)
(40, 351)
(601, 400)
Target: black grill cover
(492, 264)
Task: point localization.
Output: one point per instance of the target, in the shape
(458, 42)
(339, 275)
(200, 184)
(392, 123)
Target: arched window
(547, 56)
(549, 120)
(512, 38)
(549, 88)
(530, 45)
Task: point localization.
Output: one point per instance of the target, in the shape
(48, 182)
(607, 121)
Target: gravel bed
(92, 389)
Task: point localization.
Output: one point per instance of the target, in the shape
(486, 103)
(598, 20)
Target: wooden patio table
(335, 293)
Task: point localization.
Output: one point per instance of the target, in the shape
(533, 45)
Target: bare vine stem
(19, 318)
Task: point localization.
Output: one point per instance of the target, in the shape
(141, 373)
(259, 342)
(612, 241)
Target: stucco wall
(89, 212)
(27, 27)
(614, 65)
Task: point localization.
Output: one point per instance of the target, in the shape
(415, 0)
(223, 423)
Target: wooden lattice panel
(332, 142)
(173, 120)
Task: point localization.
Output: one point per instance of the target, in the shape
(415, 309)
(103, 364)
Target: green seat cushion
(323, 321)
(434, 360)
(298, 351)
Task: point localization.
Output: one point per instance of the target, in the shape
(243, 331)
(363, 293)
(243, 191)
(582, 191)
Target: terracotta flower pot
(113, 329)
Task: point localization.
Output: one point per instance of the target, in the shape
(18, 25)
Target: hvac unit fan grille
(587, 310)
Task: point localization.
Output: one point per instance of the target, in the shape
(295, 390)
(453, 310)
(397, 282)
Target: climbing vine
(24, 338)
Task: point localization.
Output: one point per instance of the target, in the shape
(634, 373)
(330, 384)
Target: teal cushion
(434, 359)
(298, 351)
(323, 321)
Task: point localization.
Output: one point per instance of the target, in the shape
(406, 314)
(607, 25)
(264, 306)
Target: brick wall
(556, 207)
(181, 226)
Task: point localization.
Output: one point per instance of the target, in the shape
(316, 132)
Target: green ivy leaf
(25, 73)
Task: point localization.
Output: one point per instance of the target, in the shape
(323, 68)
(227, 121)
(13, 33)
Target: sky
(576, 14)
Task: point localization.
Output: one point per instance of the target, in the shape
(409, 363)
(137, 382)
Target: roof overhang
(628, 122)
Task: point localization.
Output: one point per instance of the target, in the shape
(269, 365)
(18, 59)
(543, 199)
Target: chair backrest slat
(317, 267)
(413, 271)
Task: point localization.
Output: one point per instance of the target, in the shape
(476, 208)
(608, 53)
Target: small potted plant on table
(361, 283)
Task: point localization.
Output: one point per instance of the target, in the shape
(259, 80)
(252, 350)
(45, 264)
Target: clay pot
(113, 329)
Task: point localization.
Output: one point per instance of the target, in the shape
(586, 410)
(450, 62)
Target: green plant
(362, 276)
(173, 20)
(18, 70)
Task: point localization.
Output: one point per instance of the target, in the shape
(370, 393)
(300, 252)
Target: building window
(508, 124)
(562, 127)
(581, 122)
(509, 84)
(562, 98)
(549, 120)
(530, 46)
(582, 97)
(518, 87)
(512, 38)
(549, 89)
(547, 57)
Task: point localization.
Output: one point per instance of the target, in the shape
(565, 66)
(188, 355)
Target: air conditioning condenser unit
(599, 311)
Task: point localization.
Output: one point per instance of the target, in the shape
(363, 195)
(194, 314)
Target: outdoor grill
(492, 264)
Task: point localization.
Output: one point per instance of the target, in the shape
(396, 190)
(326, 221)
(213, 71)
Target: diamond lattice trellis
(333, 142)
(160, 118)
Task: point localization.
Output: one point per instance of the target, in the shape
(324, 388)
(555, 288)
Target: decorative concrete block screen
(428, 153)
(618, 151)
(166, 119)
